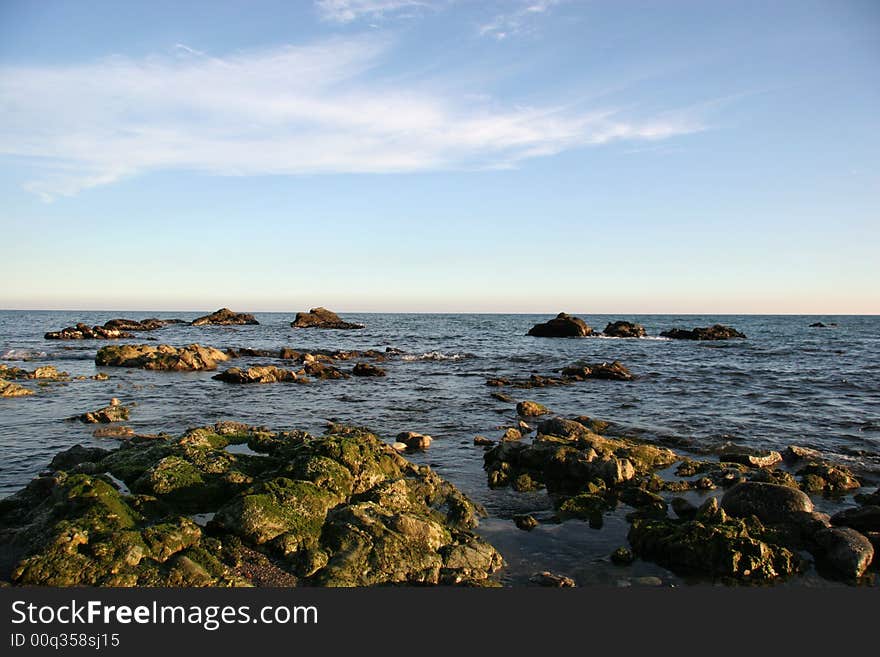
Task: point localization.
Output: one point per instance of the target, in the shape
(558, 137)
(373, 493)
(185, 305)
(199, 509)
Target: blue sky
(441, 155)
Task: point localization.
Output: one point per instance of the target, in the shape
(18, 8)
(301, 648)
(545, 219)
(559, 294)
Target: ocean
(787, 383)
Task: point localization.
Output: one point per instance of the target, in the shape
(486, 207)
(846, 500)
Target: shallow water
(786, 384)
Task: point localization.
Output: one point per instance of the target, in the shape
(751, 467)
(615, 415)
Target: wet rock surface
(622, 329)
(114, 412)
(84, 332)
(714, 332)
(562, 326)
(613, 371)
(225, 317)
(161, 357)
(323, 319)
(11, 389)
(341, 509)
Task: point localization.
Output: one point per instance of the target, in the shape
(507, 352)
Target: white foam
(434, 355)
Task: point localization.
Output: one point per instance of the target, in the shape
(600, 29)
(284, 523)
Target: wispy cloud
(519, 21)
(346, 11)
(320, 108)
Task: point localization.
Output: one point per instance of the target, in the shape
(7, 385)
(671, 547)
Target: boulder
(613, 371)
(624, 330)
(161, 357)
(10, 389)
(827, 478)
(770, 503)
(323, 319)
(525, 522)
(266, 374)
(414, 441)
(845, 550)
(115, 412)
(863, 519)
(225, 317)
(794, 453)
(531, 409)
(749, 456)
(561, 326)
(715, 332)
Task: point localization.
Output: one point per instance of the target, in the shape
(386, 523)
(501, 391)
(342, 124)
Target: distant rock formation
(150, 324)
(83, 332)
(322, 318)
(562, 326)
(715, 332)
(624, 330)
(225, 317)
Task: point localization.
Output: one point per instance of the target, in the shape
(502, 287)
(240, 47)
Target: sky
(441, 156)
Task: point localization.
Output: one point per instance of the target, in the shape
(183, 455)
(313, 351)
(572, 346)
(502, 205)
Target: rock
(863, 519)
(614, 371)
(112, 413)
(400, 447)
(547, 578)
(793, 454)
(624, 330)
(827, 478)
(45, 373)
(113, 432)
(322, 318)
(83, 332)
(414, 441)
(562, 326)
(10, 389)
(150, 324)
(748, 456)
(845, 550)
(337, 510)
(483, 441)
(710, 512)
(770, 503)
(585, 506)
(531, 409)
(266, 374)
(161, 357)
(622, 556)
(225, 317)
(365, 369)
(821, 325)
(525, 522)
(498, 383)
(683, 509)
(715, 332)
(512, 433)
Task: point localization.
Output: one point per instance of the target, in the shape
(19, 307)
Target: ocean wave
(435, 355)
(656, 338)
(21, 354)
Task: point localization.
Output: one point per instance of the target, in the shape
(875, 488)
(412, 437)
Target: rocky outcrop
(531, 409)
(714, 332)
(161, 357)
(749, 456)
(83, 332)
(365, 369)
(614, 371)
(624, 330)
(45, 373)
(323, 319)
(149, 324)
(341, 509)
(225, 317)
(114, 412)
(10, 389)
(562, 326)
(266, 374)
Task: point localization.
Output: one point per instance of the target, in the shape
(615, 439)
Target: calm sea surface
(786, 384)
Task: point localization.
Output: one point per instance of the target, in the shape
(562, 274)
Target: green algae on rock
(160, 357)
(341, 509)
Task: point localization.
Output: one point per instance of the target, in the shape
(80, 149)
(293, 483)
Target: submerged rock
(715, 332)
(546, 578)
(365, 369)
(614, 371)
(562, 326)
(624, 330)
(45, 373)
(10, 389)
(322, 318)
(342, 509)
(84, 332)
(225, 317)
(267, 374)
(161, 357)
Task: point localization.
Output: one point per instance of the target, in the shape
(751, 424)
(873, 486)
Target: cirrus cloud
(314, 109)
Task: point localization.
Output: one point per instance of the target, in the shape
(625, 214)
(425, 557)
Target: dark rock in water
(561, 326)
(622, 556)
(715, 332)
(525, 522)
(531, 409)
(547, 578)
(365, 369)
(625, 330)
(338, 510)
(483, 441)
(150, 324)
(845, 550)
(614, 371)
(225, 317)
(83, 332)
(414, 440)
(794, 453)
(161, 357)
(770, 503)
(502, 397)
(266, 374)
(683, 509)
(322, 318)
(115, 412)
(821, 325)
(113, 432)
(748, 456)
(863, 519)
